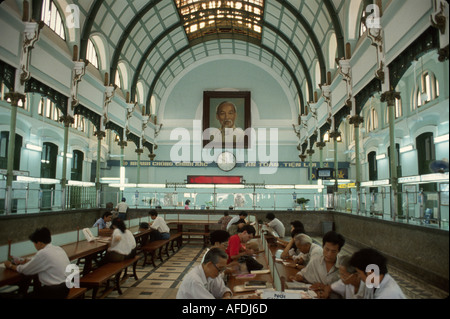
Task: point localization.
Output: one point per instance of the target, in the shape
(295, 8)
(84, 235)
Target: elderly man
(205, 281)
(226, 114)
(307, 250)
(323, 270)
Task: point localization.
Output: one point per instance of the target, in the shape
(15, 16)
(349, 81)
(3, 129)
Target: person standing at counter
(122, 209)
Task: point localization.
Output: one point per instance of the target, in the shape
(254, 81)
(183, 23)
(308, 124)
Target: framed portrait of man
(226, 117)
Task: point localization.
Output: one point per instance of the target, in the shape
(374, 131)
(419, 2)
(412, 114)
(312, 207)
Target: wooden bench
(151, 247)
(175, 238)
(194, 233)
(102, 275)
(76, 293)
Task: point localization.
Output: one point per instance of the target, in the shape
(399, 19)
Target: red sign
(214, 179)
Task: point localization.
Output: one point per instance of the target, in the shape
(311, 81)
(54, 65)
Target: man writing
(205, 281)
(323, 270)
(236, 243)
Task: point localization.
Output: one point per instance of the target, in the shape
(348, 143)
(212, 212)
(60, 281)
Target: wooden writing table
(233, 281)
(74, 251)
(187, 222)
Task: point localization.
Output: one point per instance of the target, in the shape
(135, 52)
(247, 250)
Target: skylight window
(222, 19)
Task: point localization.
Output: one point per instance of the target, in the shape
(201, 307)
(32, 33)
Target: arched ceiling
(157, 41)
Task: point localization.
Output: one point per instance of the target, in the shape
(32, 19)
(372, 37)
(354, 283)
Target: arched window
(317, 75)
(362, 22)
(139, 97)
(332, 51)
(4, 144)
(397, 108)
(428, 89)
(425, 152)
(48, 109)
(77, 166)
(373, 169)
(91, 54)
(51, 17)
(79, 123)
(117, 79)
(48, 170)
(372, 123)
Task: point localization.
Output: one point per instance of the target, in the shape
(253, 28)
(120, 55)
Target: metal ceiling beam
(296, 52)
(337, 27)
(312, 35)
(88, 27)
(125, 34)
(146, 54)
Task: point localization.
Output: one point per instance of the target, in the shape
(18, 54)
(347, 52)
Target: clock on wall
(226, 161)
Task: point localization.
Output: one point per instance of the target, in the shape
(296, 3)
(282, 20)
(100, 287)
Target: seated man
(276, 224)
(102, 222)
(205, 281)
(323, 270)
(349, 286)
(235, 247)
(160, 230)
(235, 219)
(378, 284)
(49, 264)
(307, 250)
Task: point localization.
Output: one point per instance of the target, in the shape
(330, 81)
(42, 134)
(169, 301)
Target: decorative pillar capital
(152, 156)
(15, 97)
(335, 134)
(122, 143)
(321, 145)
(100, 134)
(139, 151)
(356, 120)
(389, 97)
(302, 157)
(67, 120)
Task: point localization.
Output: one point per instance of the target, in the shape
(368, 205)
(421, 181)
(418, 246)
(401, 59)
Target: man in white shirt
(307, 250)
(323, 270)
(235, 219)
(378, 283)
(122, 209)
(159, 227)
(205, 281)
(276, 224)
(49, 264)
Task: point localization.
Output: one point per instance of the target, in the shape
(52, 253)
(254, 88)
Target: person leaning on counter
(49, 264)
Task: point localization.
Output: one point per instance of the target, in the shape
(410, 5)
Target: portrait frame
(241, 99)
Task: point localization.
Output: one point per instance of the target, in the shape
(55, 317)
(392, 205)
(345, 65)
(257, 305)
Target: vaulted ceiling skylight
(222, 19)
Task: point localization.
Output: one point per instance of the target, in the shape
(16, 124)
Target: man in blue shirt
(101, 223)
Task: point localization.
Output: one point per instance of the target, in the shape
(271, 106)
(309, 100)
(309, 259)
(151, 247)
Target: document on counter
(259, 272)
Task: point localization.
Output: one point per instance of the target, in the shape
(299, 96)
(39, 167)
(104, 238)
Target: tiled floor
(163, 281)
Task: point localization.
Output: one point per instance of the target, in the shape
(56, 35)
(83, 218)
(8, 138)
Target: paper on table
(262, 271)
